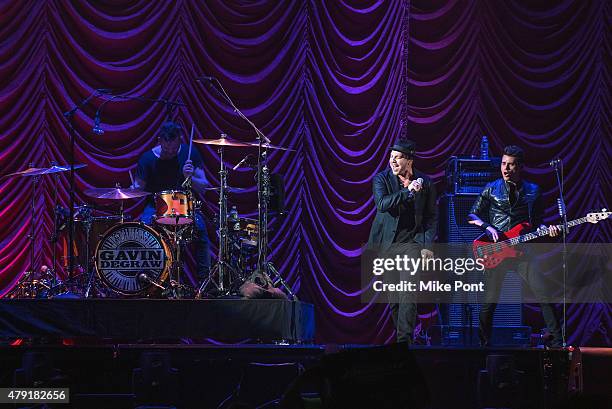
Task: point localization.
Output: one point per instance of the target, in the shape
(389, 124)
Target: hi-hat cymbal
(270, 146)
(44, 171)
(116, 193)
(223, 142)
(227, 189)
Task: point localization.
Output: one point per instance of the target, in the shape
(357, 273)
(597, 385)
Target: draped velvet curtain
(335, 80)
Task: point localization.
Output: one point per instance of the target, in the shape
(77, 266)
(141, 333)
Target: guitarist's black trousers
(494, 279)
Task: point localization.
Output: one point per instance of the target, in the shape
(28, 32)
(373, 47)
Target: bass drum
(130, 256)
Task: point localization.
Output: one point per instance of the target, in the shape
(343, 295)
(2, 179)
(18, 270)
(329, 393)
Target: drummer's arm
(198, 180)
(138, 183)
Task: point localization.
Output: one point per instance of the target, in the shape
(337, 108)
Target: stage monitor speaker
(386, 377)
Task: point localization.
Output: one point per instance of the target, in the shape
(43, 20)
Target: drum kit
(115, 256)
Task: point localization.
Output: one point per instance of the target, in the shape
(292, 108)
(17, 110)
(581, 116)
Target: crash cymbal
(223, 142)
(66, 168)
(116, 193)
(270, 146)
(44, 171)
(227, 189)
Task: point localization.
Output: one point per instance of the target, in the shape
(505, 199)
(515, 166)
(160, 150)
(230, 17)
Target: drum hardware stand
(69, 115)
(175, 289)
(89, 268)
(32, 235)
(121, 217)
(55, 234)
(265, 267)
(90, 260)
(222, 266)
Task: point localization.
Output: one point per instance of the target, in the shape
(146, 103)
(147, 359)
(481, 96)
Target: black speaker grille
(454, 228)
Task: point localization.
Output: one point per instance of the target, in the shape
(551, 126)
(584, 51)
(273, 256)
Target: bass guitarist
(503, 204)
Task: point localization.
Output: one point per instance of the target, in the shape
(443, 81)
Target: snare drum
(174, 207)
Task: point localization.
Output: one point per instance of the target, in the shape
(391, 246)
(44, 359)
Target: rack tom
(245, 230)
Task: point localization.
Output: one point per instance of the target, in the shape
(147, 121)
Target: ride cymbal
(116, 193)
(223, 142)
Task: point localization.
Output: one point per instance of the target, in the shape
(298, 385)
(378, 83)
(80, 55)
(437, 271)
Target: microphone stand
(563, 215)
(223, 94)
(264, 267)
(170, 105)
(166, 102)
(69, 115)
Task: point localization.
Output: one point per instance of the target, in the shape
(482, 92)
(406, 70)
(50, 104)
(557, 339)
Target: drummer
(165, 167)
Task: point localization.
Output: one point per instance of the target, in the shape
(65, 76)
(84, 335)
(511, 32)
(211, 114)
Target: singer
(406, 216)
(165, 167)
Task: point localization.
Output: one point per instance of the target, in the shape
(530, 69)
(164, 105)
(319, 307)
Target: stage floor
(203, 376)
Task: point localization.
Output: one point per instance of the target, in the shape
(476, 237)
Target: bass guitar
(494, 253)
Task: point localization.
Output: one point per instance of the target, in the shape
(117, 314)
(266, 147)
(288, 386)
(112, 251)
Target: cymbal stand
(222, 267)
(89, 268)
(265, 267)
(55, 234)
(90, 261)
(32, 235)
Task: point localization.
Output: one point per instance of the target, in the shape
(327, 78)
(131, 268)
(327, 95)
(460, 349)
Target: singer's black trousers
(403, 304)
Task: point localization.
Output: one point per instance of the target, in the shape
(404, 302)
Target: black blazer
(388, 195)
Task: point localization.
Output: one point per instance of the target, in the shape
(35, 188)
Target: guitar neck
(542, 232)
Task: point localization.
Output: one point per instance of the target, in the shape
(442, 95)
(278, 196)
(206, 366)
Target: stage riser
(228, 320)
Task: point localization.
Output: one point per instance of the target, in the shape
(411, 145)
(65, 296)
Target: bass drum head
(129, 256)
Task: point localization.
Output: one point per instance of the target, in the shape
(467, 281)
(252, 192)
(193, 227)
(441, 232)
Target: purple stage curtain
(337, 81)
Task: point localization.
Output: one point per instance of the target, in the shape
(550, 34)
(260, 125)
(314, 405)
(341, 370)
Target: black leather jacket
(493, 205)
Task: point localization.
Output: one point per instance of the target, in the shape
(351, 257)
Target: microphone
(144, 278)
(205, 78)
(412, 192)
(555, 162)
(105, 90)
(96, 128)
(242, 161)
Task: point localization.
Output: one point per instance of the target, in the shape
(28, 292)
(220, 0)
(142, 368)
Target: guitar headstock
(598, 216)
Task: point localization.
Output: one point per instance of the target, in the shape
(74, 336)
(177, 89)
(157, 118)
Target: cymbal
(227, 189)
(223, 142)
(116, 193)
(45, 171)
(270, 146)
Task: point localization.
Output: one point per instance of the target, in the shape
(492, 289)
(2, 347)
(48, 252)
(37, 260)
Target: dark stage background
(337, 81)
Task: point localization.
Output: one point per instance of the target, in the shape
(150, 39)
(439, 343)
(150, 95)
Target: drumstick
(191, 141)
(131, 177)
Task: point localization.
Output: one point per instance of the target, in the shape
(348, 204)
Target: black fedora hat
(405, 146)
